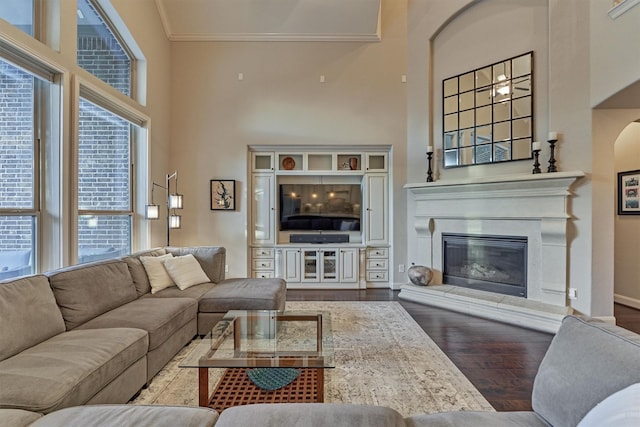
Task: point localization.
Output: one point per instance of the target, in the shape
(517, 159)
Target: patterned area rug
(382, 357)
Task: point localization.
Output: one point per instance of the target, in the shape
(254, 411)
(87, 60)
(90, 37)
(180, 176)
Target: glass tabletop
(276, 339)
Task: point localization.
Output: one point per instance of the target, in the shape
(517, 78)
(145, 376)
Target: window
(19, 14)
(104, 184)
(100, 49)
(19, 189)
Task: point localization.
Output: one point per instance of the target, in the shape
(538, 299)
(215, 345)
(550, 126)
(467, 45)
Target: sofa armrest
(212, 259)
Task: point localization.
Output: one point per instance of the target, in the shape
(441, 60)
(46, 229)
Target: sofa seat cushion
(195, 292)
(68, 369)
(29, 314)
(310, 415)
(160, 317)
(586, 362)
(244, 294)
(476, 419)
(17, 417)
(130, 416)
(86, 291)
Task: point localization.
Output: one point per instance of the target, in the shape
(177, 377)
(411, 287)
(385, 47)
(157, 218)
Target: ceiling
(271, 20)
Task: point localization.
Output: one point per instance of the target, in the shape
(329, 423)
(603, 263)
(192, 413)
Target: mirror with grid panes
(488, 114)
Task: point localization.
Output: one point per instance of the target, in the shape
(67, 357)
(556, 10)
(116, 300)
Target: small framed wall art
(629, 193)
(223, 194)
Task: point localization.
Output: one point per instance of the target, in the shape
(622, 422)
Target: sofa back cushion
(87, 291)
(28, 314)
(211, 258)
(138, 273)
(586, 362)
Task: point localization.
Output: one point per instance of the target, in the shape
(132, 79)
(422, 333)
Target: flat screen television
(320, 207)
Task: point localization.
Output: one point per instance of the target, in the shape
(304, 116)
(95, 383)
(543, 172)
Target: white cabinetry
(363, 261)
(318, 267)
(263, 208)
(376, 197)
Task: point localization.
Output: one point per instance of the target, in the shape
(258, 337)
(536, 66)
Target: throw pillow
(621, 409)
(185, 271)
(159, 279)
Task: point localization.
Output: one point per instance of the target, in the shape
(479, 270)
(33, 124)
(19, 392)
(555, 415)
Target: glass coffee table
(262, 350)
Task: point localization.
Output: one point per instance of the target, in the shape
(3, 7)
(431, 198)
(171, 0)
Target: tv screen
(318, 207)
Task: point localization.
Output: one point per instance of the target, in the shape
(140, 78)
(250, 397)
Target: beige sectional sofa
(95, 334)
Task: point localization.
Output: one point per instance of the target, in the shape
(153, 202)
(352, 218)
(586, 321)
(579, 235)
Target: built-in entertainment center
(320, 218)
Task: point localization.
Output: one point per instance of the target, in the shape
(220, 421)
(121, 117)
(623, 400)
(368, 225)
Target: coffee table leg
(320, 385)
(203, 387)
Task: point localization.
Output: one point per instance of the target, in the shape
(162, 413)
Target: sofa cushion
(621, 409)
(159, 278)
(68, 369)
(310, 415)
(195, 292)
(86, 291)
(211, 259)
(137, 271)
(476, 419)
(244, 294)
(28, 314)
(160, 317)
(578, 370)
(185, 271)
(130, 416)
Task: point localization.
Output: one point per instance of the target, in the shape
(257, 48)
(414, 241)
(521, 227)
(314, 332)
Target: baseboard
(631, 302)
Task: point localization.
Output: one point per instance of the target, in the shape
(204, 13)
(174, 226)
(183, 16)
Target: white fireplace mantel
(534, 206)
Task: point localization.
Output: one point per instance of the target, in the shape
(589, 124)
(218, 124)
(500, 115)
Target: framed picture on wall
(223, 194)
(629, 193)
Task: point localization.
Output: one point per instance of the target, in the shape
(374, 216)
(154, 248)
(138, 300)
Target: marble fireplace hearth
(534, 208)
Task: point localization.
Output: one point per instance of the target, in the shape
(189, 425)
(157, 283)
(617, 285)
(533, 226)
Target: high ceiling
(256, 20)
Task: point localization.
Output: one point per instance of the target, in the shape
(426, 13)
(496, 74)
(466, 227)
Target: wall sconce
(174, 201)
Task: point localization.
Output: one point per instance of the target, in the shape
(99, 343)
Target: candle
(553, 136)
(429, 148)
(536, 145)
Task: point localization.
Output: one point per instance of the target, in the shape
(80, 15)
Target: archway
(627, 222)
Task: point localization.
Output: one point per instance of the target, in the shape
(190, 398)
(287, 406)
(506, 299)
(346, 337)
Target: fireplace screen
(489, 263)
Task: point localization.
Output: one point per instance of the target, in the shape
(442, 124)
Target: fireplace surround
(532, 207)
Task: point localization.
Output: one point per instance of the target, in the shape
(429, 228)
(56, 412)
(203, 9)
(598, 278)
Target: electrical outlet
(226, 268)
(400, 268)
(573, 293)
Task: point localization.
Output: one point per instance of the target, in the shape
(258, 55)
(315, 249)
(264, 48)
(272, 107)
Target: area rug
(382, 357)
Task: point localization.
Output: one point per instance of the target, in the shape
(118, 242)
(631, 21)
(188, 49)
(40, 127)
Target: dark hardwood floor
(500, 360)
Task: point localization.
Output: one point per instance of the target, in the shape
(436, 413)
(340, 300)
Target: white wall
(615, 57)
(627, 227)
(215, 116)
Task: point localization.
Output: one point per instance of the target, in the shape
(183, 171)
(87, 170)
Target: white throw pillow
(159, 279)
(621, 409)
(185, 271)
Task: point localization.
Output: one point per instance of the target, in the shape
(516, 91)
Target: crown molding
(622, 7)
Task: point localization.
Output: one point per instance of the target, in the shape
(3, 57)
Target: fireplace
(488, 263)
(533, 207)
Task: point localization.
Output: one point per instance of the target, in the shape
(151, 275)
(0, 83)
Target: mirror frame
(480, 124)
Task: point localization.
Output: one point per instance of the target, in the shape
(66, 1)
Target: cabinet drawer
(377, 276)
(377, 264)
(377, 252)
(263, 274)
(263, 253)
(263, 264)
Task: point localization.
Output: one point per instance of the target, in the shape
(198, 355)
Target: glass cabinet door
(329, 265)
(310, 273)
